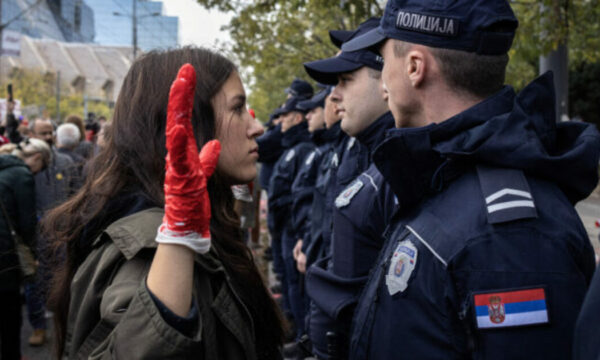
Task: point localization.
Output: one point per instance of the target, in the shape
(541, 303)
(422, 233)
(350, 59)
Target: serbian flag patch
(511, 308)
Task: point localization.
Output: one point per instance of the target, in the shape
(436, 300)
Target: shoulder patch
(506, 193)
(310, 157)
(290, 155)
(510, 308)
(402, 264)
(346, 196)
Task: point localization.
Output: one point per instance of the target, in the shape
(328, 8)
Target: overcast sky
(197, 26)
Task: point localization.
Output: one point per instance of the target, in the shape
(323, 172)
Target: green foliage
(272, 38)
(35, 88)
(584, 92)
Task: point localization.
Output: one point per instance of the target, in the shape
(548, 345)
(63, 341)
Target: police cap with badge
(326, 71)
(480, 26)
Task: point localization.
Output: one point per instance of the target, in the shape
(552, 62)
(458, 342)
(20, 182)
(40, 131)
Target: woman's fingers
(209, 156)
(179, 116)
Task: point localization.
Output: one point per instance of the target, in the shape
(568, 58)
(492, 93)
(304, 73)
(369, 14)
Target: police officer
(313, 244)
(297, 144)
(303, 186)
(361, 210)
(270, 149)
(486, 257)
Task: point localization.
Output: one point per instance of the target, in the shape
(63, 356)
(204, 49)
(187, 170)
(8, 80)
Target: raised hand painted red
(187, 206)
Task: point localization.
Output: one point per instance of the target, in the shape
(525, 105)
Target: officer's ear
(417, 65)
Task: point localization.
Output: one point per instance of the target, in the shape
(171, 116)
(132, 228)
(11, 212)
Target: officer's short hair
(469, 72)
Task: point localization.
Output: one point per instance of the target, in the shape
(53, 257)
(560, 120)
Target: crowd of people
(41, 165)
(418, 207)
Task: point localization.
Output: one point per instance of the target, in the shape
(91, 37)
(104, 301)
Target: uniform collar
(375, 133)
(504, 131)
(411, 161)
(296, 134)
(323, 136)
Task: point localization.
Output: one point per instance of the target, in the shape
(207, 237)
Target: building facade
(114, 24)
(62, 20)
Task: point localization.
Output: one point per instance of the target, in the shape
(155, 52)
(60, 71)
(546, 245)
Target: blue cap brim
(326, 71)
(365, 41)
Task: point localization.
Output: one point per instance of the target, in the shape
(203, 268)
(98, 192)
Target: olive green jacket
(112, 314)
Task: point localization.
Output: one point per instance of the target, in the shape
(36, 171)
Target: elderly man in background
(67, 142)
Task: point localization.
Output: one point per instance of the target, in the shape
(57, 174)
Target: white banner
(11, 43)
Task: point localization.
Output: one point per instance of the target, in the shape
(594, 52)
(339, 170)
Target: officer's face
(316, 119)
(331, 115)
(289, 120)
(400, 93)
(237, 131)
(359, 98)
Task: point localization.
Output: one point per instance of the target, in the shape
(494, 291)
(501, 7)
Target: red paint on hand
(187, 206)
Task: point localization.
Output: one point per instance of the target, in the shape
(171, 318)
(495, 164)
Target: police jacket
(319, 207)
(360, 215)
(586, 345)
(298, 145)
(353, 158)
(17, 193)
(304, 184)
(269, 151)
(486, 258)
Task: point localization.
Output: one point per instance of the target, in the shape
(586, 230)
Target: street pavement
(589, 211)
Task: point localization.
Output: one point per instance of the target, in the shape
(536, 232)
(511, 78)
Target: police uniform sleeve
(521, 290)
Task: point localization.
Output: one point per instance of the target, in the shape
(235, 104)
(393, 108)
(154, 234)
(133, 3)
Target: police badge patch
(346, 196)
(290, 155)
(401, 267)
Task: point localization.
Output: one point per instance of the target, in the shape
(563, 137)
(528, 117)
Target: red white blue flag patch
(511, 308)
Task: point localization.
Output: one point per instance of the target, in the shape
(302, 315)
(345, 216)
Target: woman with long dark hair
(190, 290)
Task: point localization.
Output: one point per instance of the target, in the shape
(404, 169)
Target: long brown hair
(134, 158)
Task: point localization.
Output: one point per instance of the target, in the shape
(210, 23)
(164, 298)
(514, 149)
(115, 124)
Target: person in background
(85, 148)
(18, 163)
(67, 141)
(53, 185)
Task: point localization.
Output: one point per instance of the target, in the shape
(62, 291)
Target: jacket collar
(505, 131)
(324, 136)
(375, 133)
(296, 134)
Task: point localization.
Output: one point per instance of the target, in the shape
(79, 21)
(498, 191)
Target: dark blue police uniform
(298, 144)
(586, 345)
(360, 214)
(304, 184)
(269, 151)
(313, 245)
(486, 257)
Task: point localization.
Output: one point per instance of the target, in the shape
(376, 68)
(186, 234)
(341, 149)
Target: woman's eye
(239, 109)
